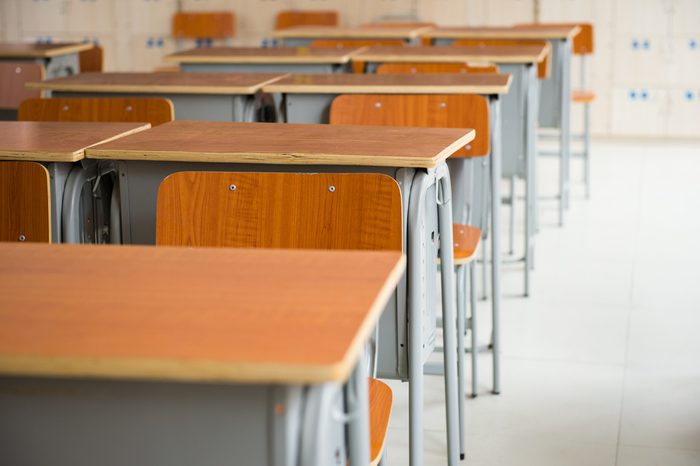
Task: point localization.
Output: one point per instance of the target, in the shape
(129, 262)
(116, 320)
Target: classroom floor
(601, 366)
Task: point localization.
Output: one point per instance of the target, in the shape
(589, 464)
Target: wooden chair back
(422, 68)
(91, 60)
(544, 68)
(155, 111)
(25, 202)
(204, 25)
(290, 18)
(420, 110)
(583, 41)
(13, 77)
(357, 66)
(280, 210)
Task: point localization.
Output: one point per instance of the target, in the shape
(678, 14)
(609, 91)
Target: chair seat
(583, 96)
(380, 398)
(466, 240)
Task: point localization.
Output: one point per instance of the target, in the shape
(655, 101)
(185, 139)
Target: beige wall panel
(684, 60)
(45, 18)
(641, 60)
(445, 12)
(684, 117)
(91, 17)
(635, 114)
(150, 16)
(147, 52)
(686, 17)
(252, 21)
(373, 10)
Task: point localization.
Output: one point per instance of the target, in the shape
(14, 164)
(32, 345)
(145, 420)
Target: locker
(42, 17)
(684, 111)
(641, 60)
(508, 12)
(147, 51)
(91, 17)
(373, 10)
(445, 12)
(639, 111)
(207, 5)
(635, 17)
(249, 20)
(686, 16)
(684, 59)
(151, 16)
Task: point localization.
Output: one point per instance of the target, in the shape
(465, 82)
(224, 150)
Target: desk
(59, 145)
(555, 95)
(264, 60)
(195, 96)
(518, 113)
(59, 59)
(186, 355)
(304, 35)
(307, 99)
(415, 157)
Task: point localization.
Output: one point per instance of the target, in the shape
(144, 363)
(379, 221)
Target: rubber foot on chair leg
(473, 395)
(496, 392)
(461, 456)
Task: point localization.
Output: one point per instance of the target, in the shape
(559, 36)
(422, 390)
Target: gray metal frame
(55, 67)
(305, 68)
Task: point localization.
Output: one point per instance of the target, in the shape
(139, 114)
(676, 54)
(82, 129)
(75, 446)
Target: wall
(645, 69)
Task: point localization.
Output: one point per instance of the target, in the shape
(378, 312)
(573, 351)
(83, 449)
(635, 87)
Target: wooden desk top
(329, 32)
(25, 50)
(449, 54)
(430, 83)
(161, 83)
(533, 31)
(288, 144)
(189, 314)
(57, 141)
(259, 55)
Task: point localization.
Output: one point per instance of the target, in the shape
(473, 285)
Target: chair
(203, 27)
(544, 68)
(91, 60)
(420, 68)
(357, 66)
(290, 18)
(13, 77)
(25, 202)
(155, 111)
(286, 210)
(444, 111)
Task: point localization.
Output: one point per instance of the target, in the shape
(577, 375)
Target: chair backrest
(91, 60)
(421, 68)
(25, 202)
(151, 110)
(204, 25)
(13, 77)
(421, 110)
(290, 18)
(357, 66)
(544, 68)
(280, 210)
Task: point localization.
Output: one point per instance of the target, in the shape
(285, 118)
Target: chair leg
(472, 325)
(461, 334)
(484, 269)
(511, 236)
(587, 148)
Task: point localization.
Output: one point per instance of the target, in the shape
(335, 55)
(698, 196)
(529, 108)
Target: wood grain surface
(289, 144)
(466, 241)
(524, 32)
(321, 32)
(25, 202)
(424, 111)
(57, 141)
(380, 400)
(392, 84)
(155, 111)
(204, 25)
(161, 83)
(33, 50)
(189, 314)
(290, 18)
(544, 67)
(449, 54)
(424, 68)
(280, 210)
(259, 55)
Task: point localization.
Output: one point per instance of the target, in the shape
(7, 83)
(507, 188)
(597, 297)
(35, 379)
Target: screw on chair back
(155, 111)
(290, 18)
(544, 68)
(25, 202)
(423, 68)
(280, 210)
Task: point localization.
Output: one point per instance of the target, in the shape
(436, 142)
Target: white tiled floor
(601, 365)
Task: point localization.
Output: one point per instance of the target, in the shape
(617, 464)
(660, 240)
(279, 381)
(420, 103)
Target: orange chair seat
(380, 397)
(466, 240)
(583, 96)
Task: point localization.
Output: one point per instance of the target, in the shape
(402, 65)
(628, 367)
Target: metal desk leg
(358, 411)
(461, 352)
(495, 236)
(417, 262)
(70, 214)
(530, 171)
(449, 329)
(565, 133)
